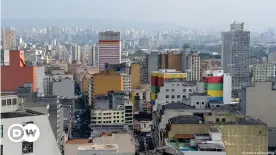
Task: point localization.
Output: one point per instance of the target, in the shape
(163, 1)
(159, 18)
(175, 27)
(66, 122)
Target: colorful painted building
(158, 77)
(17, 73)
(218, 85)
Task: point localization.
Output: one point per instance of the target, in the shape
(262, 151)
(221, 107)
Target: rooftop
(78, 141)
(106, 147)
(176, 106)
(142, 116)
(186, 119)
(125, 142)
(21, 113)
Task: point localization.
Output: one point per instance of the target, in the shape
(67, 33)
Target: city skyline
(211, 15)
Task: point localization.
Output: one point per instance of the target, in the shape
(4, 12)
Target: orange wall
(135, 76)
(16, 74)
(105, 83)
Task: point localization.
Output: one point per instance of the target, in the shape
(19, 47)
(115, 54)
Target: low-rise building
(142, 122)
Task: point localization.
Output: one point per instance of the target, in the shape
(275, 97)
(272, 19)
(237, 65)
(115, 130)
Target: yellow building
(135, 76)
(106, 81)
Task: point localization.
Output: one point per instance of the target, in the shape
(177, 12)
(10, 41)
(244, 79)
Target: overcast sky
(257, 14)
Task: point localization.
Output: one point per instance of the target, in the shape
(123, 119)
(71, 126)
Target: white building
(175, 91)
(46, 143)
(5, 57)
(193, 66)
(263, 72)
(92, 55)
(76, 53)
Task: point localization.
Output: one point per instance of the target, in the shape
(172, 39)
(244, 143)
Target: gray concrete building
(236, 55)
(259, 102)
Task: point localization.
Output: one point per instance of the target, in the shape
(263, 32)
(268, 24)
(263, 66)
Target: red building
(17, 74)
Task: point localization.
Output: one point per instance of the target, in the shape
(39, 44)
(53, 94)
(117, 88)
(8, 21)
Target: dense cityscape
(138, 91)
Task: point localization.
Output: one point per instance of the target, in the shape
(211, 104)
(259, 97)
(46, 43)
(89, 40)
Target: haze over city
(210, 14)
(138, 77)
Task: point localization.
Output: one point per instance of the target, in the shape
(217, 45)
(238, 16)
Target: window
(190, 90)
(197, 103)
(167, 96)
(4, 102)
(217, 119)
(223, 120)
(1, 153)
(167, 101)
(172, 84)
(14, 101)
(178, 96)
(167, 90)
(1, 131)
(27, 147)
(202, 103)
(184, 90)
(173, 96)
(172, 90)
(8, 101)
(177, 84)
(184, 96)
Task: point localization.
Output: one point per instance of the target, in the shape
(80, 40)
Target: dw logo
(19, 133)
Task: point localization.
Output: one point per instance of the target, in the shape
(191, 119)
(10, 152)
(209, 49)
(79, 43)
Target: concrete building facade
(236, 55)
(109, 48)
(263, 72)
(9, 39)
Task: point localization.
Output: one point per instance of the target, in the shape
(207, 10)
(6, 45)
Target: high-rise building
(8, 39)
(109, 48)
(193, 66)
(92, 55)
(218, 85)
(236, 55)
(76, 53)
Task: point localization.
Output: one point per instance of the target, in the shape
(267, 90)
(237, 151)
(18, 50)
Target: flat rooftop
(21, 113)
(106, 147)
(125, 143)
(78, 141)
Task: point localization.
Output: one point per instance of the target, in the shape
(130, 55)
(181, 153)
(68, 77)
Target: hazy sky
(257, 14)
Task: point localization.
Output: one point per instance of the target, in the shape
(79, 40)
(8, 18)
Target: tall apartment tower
(109, 48)
(76, 53)
(193, 66)
(236, 55)
(92, 55)
(9, 39)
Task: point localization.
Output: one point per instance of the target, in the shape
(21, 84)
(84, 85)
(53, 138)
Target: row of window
(177, 96)
(9, 102)
(27, 147)
(99, 122)
(106, 117)
(114, 113)
(184, 90)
